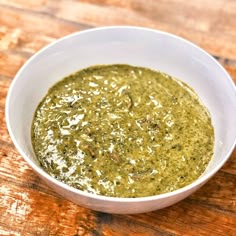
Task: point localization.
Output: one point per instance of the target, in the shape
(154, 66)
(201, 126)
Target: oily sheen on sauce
(122, 131)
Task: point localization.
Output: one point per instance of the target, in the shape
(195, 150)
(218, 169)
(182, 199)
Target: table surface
(27, 205)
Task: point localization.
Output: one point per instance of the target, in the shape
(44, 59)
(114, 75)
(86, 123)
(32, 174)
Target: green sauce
(122, 131)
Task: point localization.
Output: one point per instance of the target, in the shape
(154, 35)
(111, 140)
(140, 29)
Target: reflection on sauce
(123, 131)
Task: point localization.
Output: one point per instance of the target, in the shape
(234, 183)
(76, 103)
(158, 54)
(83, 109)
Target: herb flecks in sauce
(122, 131)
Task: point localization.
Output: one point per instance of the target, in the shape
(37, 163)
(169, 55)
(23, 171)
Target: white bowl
(127, 45)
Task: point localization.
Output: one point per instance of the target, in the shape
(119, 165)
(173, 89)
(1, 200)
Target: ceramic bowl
(127, 45)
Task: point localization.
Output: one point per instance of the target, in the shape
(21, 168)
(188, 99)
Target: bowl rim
(194, 185)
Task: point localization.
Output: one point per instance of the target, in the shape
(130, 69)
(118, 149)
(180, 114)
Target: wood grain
(27, 205)
(208, 23)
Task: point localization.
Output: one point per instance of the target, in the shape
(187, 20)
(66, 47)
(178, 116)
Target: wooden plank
(35, 213)
(25, 3)
(10, 64)
(230, 165)
(181, 19)
(187, 218)
(22, 30)
(202, 22)
(232, 71)
(219, 193)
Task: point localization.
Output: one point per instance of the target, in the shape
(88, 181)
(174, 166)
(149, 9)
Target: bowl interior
(135, 46)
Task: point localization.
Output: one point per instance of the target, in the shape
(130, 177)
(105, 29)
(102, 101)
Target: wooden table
(27, 205)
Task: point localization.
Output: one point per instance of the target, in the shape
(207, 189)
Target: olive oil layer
(122, 131)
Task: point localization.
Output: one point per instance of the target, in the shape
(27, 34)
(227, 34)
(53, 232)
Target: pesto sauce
(122, 131)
